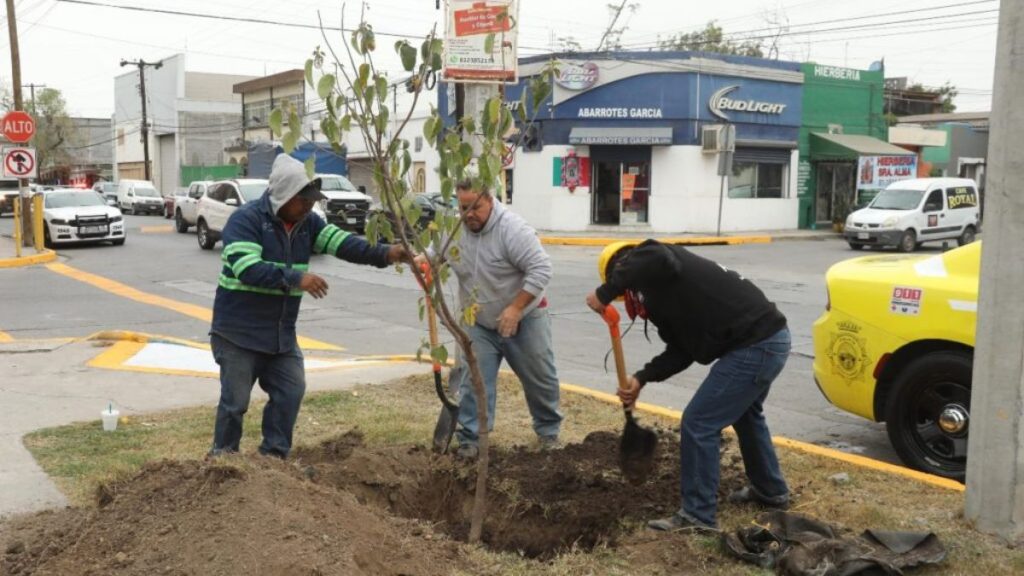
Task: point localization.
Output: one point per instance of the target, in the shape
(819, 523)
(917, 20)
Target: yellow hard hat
(607, 254)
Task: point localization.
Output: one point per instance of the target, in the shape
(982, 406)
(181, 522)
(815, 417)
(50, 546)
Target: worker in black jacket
(704, 313)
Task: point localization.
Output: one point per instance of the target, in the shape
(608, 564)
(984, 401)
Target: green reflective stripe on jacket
(332, 246)
(243, 247)
(227, 262)
(327, 236)
(243, 263)
(229, 283)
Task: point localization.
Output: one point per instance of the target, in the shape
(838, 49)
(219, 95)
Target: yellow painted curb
(197, 312)
(805, 447)
(41, 258)
(683, 241)
(156, 229)
(5, 337)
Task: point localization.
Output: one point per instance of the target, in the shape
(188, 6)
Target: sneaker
(468, 452)
(681, 521)
(749, 494)
(548, 442)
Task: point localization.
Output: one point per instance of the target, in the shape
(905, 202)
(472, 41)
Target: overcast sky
(77, 48)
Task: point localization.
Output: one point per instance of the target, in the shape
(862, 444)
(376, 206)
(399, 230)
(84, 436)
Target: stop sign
(18, 126)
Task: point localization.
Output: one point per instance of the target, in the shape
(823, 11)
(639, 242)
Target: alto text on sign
(18, 126)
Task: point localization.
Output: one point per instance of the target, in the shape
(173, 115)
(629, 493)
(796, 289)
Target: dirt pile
(255, 516)
(346, 508)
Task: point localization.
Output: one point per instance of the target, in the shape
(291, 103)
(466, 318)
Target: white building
(193, 118)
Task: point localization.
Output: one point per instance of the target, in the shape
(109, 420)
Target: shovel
(636, 452)
(447, 421)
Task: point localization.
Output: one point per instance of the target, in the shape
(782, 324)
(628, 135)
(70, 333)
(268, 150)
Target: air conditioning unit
(711, 139)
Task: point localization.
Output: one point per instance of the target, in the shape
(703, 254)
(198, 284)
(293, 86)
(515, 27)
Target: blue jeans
(530, 356)
(732, 395)
(281, 376)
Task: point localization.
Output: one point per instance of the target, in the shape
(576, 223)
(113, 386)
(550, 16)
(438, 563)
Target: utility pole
(32, 94)
(995, 478)
(26, 202)
(145, 123)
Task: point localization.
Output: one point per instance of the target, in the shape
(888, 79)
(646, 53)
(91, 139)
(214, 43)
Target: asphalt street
(370, 312)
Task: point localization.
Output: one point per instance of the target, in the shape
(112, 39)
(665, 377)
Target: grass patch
(81, 456)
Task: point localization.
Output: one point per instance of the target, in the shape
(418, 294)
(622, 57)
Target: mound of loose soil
(256, 516)
(346, 508)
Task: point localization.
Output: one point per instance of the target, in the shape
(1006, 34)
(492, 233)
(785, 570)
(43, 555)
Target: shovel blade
(636, 453)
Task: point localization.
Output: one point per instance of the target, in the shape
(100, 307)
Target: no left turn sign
(19, 162)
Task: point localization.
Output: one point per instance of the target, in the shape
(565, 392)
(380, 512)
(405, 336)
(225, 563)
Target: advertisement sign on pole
(877, 172)
(481, 41)
(19, 162)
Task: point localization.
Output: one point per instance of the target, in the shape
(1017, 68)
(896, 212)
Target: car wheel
(855, 245)
(47, 241)
(908, 242)
(967, 237)
(206, 240)
(118, 242)
(179, 222)
(927, 415)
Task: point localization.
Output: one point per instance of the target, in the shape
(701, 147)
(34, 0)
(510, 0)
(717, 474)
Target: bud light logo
(577, 76)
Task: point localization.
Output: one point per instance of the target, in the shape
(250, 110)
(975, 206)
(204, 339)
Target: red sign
(18, 126)
(481, 19)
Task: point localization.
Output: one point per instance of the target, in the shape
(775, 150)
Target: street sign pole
(22, 222)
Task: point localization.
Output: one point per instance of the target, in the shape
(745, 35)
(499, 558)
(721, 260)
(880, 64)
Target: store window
(757, 180)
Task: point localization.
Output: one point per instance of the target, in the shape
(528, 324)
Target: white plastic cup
(110, 419)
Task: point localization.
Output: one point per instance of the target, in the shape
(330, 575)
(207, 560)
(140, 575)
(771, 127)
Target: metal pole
(145, 122)
(22, 220)
(721, 199)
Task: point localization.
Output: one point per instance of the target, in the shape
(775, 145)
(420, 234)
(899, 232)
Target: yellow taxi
(896, 345)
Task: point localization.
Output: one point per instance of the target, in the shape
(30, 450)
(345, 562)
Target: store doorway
(835, 189)
(621, 184)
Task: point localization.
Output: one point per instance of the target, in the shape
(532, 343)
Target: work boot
(468, 452)
(549, 442)
(749, 494)
(679, 522)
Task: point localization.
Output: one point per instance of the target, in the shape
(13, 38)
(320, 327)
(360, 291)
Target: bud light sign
(577, 77)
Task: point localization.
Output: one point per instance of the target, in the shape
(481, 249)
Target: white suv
(345, 206)
(221, 200)
(186, 208)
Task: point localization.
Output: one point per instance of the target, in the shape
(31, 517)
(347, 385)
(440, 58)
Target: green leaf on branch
(408, 54)
(439, 354)
(368, 95)
(381, 121)
(275, 122)
(406, 163)
(346, 123)
(309, 72)
(493, 165)
(325, 86)
(494, 111)
(382, 88)
(364, 76)
(310, 165)
(489, 44)
(288, 142)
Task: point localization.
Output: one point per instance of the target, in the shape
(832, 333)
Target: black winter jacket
(702, 310)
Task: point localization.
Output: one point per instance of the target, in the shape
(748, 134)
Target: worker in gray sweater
(504, 271)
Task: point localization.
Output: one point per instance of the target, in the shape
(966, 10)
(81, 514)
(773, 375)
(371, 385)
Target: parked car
(135, 196)
(186, 207)
(911, 212)
(345, 207)
(896, 345)
(221, 200)
(9, 193)
(170, 200)
(72, 215)
(428, 204)
(108, 190)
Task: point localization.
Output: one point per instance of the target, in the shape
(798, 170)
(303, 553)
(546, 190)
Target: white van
(911, 212)
(139, 196)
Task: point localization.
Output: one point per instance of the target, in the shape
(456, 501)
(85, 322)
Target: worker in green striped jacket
(267, 247)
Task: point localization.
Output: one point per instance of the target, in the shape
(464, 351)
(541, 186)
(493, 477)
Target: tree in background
(712, 39)
(55, 132)
(947, 91)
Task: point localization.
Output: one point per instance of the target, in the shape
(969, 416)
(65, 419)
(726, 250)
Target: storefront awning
(851, 147)
(621, 136)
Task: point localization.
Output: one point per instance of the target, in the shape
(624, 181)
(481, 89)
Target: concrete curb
(683, 241)
(42, 258)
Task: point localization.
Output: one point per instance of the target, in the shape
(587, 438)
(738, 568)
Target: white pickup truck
(186, 208)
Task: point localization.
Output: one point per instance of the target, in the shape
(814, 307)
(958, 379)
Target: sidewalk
(604, 235)
(29, 256)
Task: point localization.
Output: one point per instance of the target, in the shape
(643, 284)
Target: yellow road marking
(156, 229)
(685, 241)
(197, 312)
(5, 337)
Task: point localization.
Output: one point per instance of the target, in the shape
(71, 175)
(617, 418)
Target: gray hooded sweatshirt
(499, 261)
(287, 178)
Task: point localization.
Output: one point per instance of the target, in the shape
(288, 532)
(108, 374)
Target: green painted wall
(190, 174)
(833, 95)
(939, 154)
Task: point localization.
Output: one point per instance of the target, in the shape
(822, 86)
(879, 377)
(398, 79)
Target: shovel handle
(611, 317)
